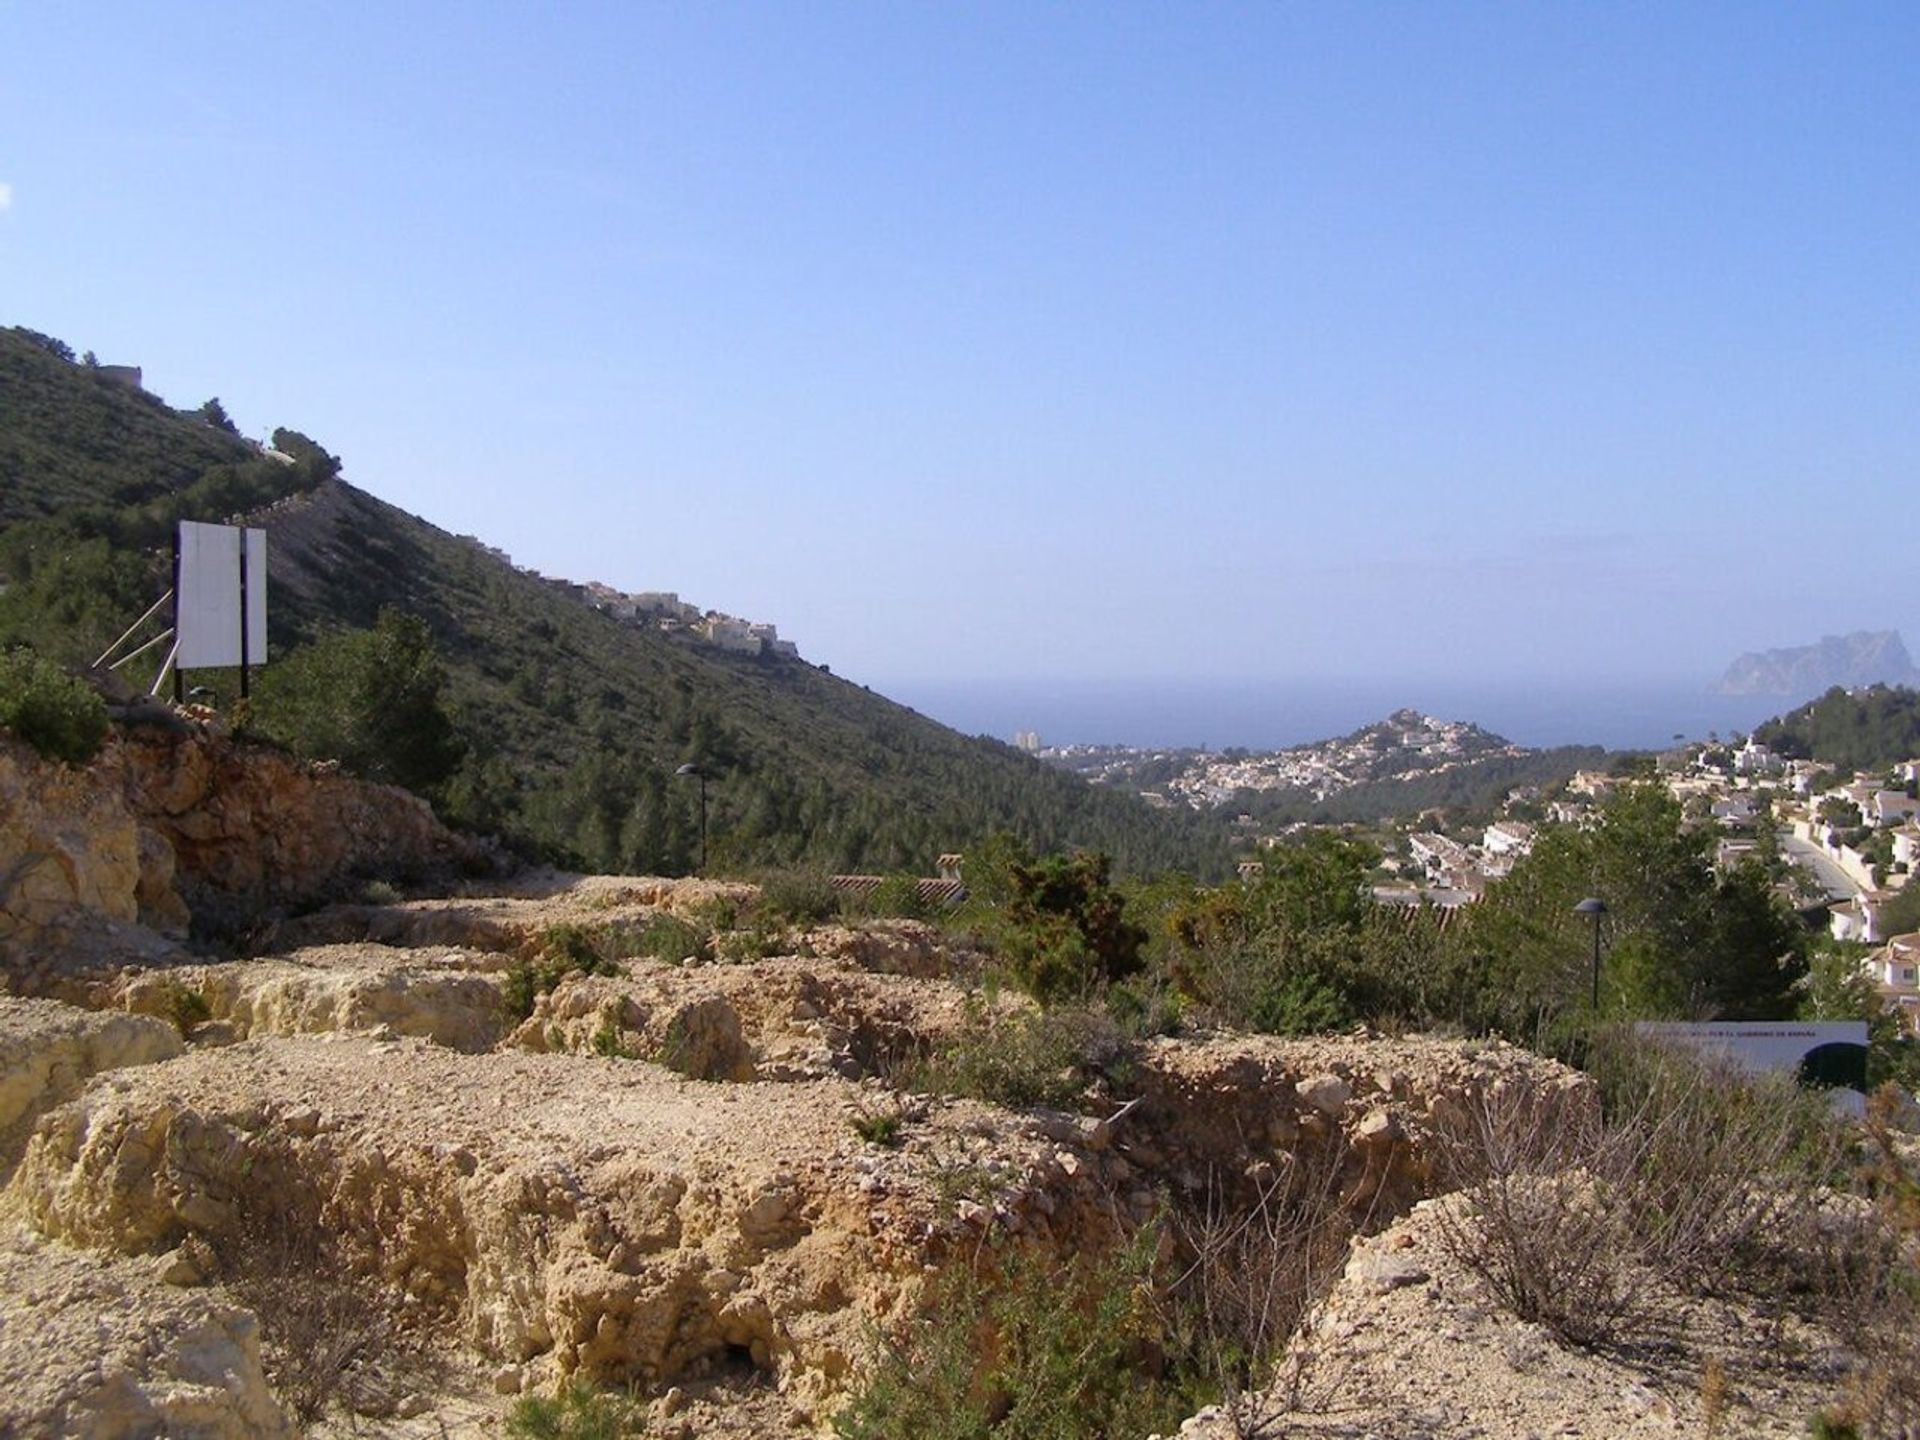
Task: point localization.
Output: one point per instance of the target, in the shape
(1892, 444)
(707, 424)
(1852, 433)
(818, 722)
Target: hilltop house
(1508, 837)
(1595, 784)
(1889, 807)
(1859, 918)
(723, 632)
(1895, 972)
(1734, 810)
(1906, 846)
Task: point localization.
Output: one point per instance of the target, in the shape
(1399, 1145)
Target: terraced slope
(659, 1177)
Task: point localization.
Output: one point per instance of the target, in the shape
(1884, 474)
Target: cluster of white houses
(1867, 825)
(661, 609)
(667, 611)
(1456, 873)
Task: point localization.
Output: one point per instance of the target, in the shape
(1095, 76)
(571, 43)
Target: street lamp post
(701, 776)
(1595, 908)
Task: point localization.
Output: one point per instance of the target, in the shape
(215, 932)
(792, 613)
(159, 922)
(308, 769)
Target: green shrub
(564, 949)
(669, 938)
(1064, 931)
(1026, 1351)
(49, 709)
(184, 1006)
(575, 947)
(796, 897)
(897, 897)
(718, 912)
(371, 699)
(577, 1412)
(1027, 1057)
(608, 1043)
(1300, 1003)
(1143, 1008)
(755, 942)
(882, 1130)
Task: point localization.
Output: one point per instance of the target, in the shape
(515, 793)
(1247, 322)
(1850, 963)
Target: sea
(1275, 714)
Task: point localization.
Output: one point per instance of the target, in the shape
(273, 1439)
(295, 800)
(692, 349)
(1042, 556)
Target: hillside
(1866, 657)
(1866, 729)
(71, 436)
(572, 722)
(1401, 765)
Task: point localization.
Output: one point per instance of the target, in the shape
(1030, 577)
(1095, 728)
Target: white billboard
(1828, 1053)
(220, 599)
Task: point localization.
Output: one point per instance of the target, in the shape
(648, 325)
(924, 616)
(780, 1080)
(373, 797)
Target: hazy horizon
(1224, 342)
(1270, 714)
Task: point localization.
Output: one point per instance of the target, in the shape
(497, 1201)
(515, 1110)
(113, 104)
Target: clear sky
(1001, 341)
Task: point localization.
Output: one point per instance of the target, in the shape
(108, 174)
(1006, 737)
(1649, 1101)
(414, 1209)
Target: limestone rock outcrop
(73, 849)
(173, 822)
(599, 1216)
(450, 997)
(47, 1050)
(251, 827)
(97, 1349)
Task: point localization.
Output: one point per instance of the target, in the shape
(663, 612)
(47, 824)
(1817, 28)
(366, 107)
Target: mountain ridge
(1799, 672)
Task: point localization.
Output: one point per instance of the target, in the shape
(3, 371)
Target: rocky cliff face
(1866, 657)
(170, 826)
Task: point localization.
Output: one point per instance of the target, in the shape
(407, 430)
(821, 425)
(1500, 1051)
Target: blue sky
(1005, 341)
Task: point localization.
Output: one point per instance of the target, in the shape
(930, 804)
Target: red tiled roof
(945, 893)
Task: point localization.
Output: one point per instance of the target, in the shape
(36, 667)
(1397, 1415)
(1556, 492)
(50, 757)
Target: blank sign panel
(215, 593)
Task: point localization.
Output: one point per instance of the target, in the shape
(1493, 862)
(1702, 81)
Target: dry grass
(1698, 1181)
(1253, 1285)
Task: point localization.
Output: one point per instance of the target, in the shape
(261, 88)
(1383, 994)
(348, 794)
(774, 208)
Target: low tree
(215, 414)
(1836, 987)
(1066, 930)
(1681, 940)
(371, 699)
(49, 709)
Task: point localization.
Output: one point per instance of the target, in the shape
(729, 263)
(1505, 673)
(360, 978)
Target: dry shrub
(1018, 1346)
(1700, 1179)
(1021, 1058)
(328, 1337)
(1860, 1260)
(1717, 1172)
(1254, 1281)
(1533, 1220)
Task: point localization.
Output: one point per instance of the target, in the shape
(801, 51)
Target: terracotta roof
(945, 893)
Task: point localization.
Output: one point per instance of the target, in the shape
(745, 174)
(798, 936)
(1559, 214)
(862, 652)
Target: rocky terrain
(353, 1171)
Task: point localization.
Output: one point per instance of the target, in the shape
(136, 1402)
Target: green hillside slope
(1865, 729)
(70, 436)
(573, 723)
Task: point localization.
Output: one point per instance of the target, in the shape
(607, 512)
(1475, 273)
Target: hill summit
(1866, 657)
